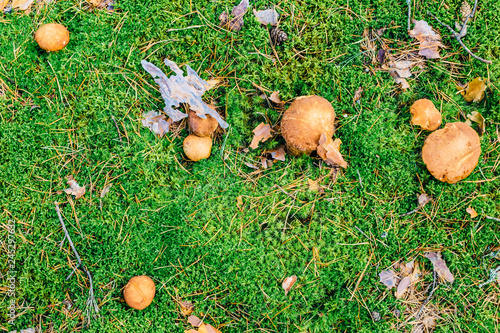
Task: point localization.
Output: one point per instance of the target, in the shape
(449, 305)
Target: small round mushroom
(200, 126)
(197, 148)
(452, 153)
(139, 292)
(52, 37)
(425, 115)
(303, 123)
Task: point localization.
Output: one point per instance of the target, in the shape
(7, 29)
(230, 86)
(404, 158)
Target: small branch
(434, 287)
(493, 218)
(91, 302)
(464, 26)
(117, 129)
(457, 37)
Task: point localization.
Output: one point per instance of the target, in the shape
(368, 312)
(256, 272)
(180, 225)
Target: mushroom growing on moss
(197, 148)
(425, 115)
(200, 126)
(139, 292)
(303, 123)
(452, 153)
(52, 37)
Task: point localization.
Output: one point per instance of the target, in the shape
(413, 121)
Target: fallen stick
(457, 37)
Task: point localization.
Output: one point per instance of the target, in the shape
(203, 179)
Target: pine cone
(278, 36)
(465, 10)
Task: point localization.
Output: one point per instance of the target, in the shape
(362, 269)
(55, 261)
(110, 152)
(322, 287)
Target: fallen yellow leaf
(475, 90)
(472, 212)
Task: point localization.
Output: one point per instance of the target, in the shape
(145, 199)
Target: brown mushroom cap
(52, 37)
(304, 122)
(452, 153)
(139, 292)
(200, 126)
(425, 115)
(197, 148)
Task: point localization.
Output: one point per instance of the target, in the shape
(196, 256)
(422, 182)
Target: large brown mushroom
(52, 37)
(425, 115)
(139, 292)
(200, 126)
(197, 148)
(303, 123)
(452, 153)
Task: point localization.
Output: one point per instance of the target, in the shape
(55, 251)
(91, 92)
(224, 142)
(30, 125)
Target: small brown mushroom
(52, 37)
(452, 153)
(139, 292)
(197, 148)
(425, 115)
(303, 123)
(200, 126)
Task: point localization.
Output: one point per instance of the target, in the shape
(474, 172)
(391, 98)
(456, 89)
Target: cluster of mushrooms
(198, 145)
(450, 153)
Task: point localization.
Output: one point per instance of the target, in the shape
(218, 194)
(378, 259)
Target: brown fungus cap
(425, 115)
(52, 37)
(452, 153)
(139, 292)
(303, 123)
(197, 148)
(200, 126)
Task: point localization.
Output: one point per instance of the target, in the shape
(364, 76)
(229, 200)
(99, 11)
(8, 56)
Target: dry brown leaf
(403, 286)
(472, 212)
(268, 16)
(313, 185)
(22, 4)
(399, 71)
(235, 22)
(278, 154)
(329, 151)
(263, 161)
(477, 118)
(261, 133)
(195, 321)
(440, 266)
(389, 278)
(288, 283)
(74, 188)
(474, 92)
(157, 123)
(423, 199)
(275, 97)
(430, 41)
(357, 94)
(429, 322)
(187, 308)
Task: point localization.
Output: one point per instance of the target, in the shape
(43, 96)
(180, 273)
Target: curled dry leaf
(430, 41)
(195, 321)
(357, 94)
(403, 286)
(187, 308)
(423, 199)
(399, 71)
(263, 161)
(288, 283)
(474, 92)
(440, 266)
(178, 89)
(477, 118)
(472, 212)
(235, 22)
(278, 154)
(156, 122)
(268, 16)
(329, 151)
(389, 278)
(381, 56)
(261, 133)
(74, 189)
(275, 97)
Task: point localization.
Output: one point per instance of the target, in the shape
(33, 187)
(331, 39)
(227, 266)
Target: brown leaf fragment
(235, 22)
(423, 199)
(402, 67)
(268, 16)
(477, 118)
(329, 151)
(474, 92)
(187, 308)
(429, 322)
(263, 161)
(381, 56)
(430, 41)
(195, 321)
(389, 278)
(288, 283)
(261, 133)
(275, 97)
(156, 122)
(278, 154)
(403, 286)
(22, 4)
(399, 80)
(74, 188)
(313, 185)
(239, 202)
(357, 94)
(440, 266)
(472, 212)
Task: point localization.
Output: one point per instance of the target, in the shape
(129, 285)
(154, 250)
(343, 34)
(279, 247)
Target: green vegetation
(179, 222)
